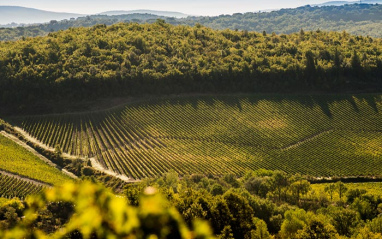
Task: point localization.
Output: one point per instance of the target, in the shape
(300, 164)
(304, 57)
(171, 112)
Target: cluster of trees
(262, 204)
(133, 59)
(359, 19)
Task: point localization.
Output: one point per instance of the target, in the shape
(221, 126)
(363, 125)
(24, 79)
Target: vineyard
(322, 135)
(16, 159)
(11, 187)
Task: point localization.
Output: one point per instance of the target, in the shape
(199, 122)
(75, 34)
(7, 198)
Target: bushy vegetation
(134, 59)
(323, 135)
(16, 159)
(262, 204)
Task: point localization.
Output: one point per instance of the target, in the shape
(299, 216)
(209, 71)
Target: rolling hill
(364, 19)
(357, 19)
(14, 14)
(143, 11)
(341, 3)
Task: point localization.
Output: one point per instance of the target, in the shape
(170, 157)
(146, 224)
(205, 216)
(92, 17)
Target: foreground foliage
(100, 214)
(262, 204)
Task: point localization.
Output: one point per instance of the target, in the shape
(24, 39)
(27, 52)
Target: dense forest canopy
(358, 19)
(134, 59)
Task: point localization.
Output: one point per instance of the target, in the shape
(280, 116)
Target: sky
(192, 7)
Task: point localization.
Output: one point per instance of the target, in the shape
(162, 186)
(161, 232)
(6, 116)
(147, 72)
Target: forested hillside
(364, 19)
(15, 14)
(134, 59)
(359, 19)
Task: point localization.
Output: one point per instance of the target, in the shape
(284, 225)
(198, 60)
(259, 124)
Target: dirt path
(305, 140)
(99, 167)
(34, 152)
(94, 162)
(30, 180)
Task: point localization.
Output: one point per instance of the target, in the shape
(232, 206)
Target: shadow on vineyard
(310, 101)
(235, 132)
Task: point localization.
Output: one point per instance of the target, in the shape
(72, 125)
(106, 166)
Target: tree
(302, 34)
(344, 220)
(379, 73)
(375, 225)
(352, 194)
(331, 188)
(11, 218)
(261, 231)
(310, 67)
(231, 179)
(257, 185)
(365, 233)
(279, 181)
(294, 221)
(341, 187)
(337, 60)
(221, 217)
(299, 187)
(317, 228)
(217, 189)
(364, 208)
(242, 214)
(57, 151)
(356, 64)
(171, 179)
(226, 233)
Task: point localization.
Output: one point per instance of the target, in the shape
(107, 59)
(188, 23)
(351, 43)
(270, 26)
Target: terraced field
(318, 135)
(11, 187)
(17, 160)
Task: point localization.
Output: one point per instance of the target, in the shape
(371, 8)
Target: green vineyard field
(11, 187)
(323, 135)
(16, 159)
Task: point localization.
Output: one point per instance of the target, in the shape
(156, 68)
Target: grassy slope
(15, 159)
(323, 135)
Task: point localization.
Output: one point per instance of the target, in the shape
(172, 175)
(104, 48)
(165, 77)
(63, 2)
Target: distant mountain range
(143, 11)
(12, 14)
(340, 3)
